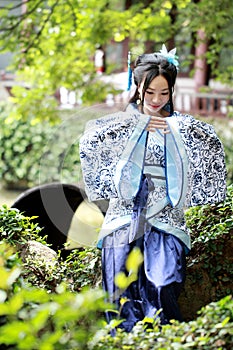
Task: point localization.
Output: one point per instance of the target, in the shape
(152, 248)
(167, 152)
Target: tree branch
(73, 13)
(20, 17)
(38, 34)
(14, 7)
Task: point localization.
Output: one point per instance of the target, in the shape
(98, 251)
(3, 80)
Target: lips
(153, 106)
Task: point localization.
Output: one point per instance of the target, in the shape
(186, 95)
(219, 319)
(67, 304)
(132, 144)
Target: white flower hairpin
(170, 56)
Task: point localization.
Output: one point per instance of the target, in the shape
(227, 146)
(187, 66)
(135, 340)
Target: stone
(34, 250)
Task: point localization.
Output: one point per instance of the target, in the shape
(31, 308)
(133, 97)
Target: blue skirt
(161, 275)
(160, 279)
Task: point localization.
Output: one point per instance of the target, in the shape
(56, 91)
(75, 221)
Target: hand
(157, 122)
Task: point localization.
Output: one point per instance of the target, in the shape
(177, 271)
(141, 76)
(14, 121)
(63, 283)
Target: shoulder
(127, 118)
(189, 123)
(112, 128)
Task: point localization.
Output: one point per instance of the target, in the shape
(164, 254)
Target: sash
(176, 167)
(129, 168)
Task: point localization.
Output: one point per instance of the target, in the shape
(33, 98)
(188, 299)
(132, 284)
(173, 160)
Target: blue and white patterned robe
(113, 153)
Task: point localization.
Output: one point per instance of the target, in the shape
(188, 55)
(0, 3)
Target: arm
(101, 147)
(207, 170)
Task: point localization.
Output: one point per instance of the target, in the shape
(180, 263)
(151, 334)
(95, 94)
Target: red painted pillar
(200, 61)
(200, 67)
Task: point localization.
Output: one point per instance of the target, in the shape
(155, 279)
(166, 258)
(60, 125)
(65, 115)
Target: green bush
(38, 306)
(35, 152)
(81, 268)
(213, 329)
(32, 318)
(16, 228)
(209, 221)
(211, 228)
(21, 145)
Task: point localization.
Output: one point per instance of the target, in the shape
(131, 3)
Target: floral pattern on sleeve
(207, 170)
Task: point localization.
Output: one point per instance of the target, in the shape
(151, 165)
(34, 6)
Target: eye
(149, 92)
(164, 93)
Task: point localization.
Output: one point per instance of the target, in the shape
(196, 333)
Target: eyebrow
(165, 89)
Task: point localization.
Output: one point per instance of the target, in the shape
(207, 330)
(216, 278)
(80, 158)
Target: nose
(156, 98)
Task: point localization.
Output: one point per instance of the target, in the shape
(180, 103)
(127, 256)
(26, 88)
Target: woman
(150, 163)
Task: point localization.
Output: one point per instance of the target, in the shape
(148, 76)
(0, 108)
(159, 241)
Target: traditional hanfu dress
(149, 179)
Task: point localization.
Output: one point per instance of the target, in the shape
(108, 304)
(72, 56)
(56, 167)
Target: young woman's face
(156, 95)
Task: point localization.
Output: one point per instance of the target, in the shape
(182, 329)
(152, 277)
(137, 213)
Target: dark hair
(149, 66)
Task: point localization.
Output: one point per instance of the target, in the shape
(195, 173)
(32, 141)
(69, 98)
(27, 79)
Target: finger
(164, 130)
(157, 121)
(156, 125)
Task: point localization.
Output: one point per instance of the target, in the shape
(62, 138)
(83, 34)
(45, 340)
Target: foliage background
(54, 42)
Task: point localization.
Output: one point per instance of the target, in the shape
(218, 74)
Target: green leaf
(134, 260)
(121, 280)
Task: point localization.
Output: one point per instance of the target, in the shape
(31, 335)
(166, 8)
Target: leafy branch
(39, 33)
(20, 17)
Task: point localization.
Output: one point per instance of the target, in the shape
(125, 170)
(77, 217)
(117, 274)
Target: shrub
(81, 267)
(17, 228)
(79, 270)
(211, 330)
(208, 221)
(32, 318)
(212, 232)
(35, 152)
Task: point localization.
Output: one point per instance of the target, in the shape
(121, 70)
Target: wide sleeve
(100, 149)
(207, 169)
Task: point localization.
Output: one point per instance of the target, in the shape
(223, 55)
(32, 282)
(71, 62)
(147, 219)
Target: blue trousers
(160, 279)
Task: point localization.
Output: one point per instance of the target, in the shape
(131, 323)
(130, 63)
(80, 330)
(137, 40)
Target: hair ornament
(129, 72)
(170, 56)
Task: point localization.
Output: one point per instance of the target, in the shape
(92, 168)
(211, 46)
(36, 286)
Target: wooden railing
(204, 104)
(186, 100)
